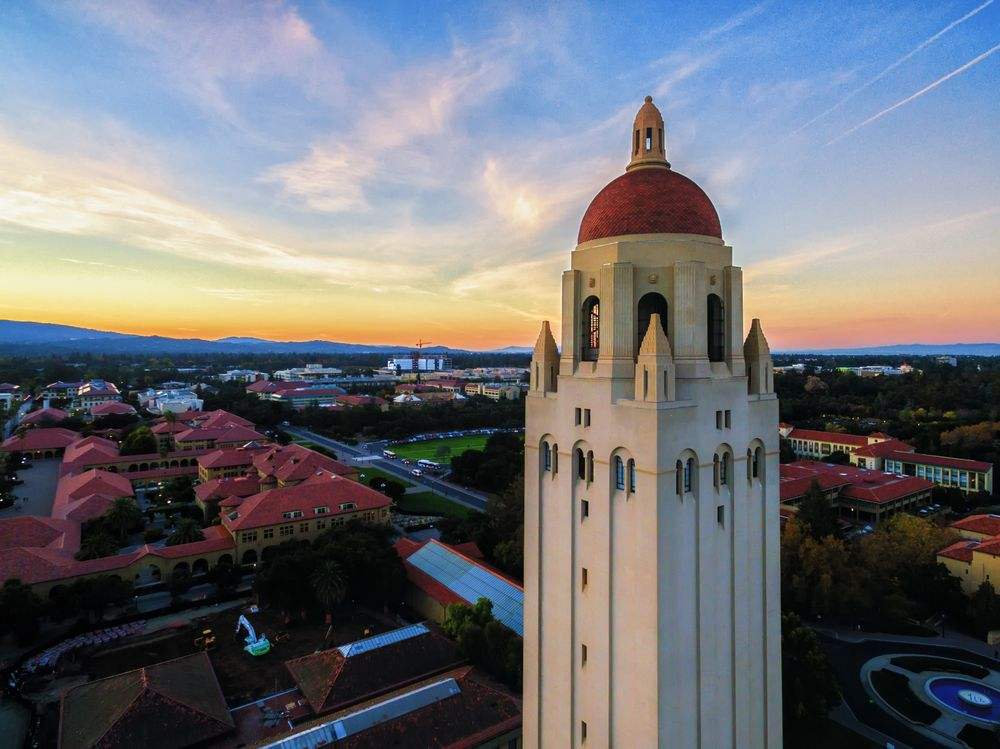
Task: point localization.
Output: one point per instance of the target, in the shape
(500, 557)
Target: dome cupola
(650, 198)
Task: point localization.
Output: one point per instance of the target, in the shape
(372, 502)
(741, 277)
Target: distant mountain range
(41, 337)
(905, 349)
(38, 337)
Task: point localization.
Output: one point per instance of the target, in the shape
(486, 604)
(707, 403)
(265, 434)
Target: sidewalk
(947, 639)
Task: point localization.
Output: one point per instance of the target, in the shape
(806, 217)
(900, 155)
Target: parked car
(417, 472)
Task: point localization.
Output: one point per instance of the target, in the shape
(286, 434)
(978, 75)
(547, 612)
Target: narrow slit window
(586, 417)
(649, 139)
(583, 578)
(584, 508)
(583, 655)
(619, 473)
(631, 476)
(720, 515)
(729, 419)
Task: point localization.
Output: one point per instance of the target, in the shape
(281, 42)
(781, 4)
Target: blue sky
(382, 171)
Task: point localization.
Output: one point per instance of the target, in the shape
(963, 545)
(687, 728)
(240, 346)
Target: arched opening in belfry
(716, 329)
(591, 329)
(650, 304)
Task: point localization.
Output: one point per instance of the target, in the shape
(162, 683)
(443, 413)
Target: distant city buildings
(308, 373)
(243, 375)
(418, 364)
(174, 400)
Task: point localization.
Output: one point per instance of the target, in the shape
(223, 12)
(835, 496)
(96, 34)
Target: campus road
(360, 458)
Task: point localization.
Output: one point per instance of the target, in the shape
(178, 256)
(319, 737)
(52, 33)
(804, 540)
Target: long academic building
(652, 613)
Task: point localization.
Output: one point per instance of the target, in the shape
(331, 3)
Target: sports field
(442, 450)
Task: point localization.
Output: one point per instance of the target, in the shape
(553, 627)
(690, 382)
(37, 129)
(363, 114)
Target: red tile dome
(653, 200)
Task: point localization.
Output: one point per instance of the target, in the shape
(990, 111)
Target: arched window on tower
(716, 329)
(758, 459)
(590, 465)
(631, 476)
(679, 477)
(591, 333)
(724, 469)
(751, 469)
(648, 305)
(555, 458)
(581, 464)
(619, 473)
(546, 457)
(689, 475)
(716, 472)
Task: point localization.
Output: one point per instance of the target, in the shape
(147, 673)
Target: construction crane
(415, 357)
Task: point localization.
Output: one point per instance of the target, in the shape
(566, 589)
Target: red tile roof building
(975, 557)
(862, 494)
(882, 452)
(111, 408)
(171, 704)
(46, 442)
(303, 511)
(44, 416)
(85, 496)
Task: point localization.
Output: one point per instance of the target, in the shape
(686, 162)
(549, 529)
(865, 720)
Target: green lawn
(429, 503)
(429, 450)
(371, 472)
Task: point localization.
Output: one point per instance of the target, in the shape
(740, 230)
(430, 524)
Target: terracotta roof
(87, 495)
(883, 449)
(650, 201)
(228, 457)
(48, 438)
(112, 408)
(360, 400)
(39, 532)
(219, 434)
(987, 525)
(478, 711)
(214, 489)
(43, 415)
(816, 435)
(167, 427)
(295, 462)
(220, 418)
(862, 484)
(941, 460)
(90, 447)
(960, 550)
(329, 680)
(322, 490)
(171, 704)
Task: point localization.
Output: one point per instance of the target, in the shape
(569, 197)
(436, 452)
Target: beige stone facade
(652, 614)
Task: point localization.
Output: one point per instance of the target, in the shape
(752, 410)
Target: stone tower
(652, 613)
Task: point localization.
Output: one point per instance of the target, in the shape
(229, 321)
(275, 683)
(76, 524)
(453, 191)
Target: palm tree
(187, 531)
(330, 587)
(123, 515)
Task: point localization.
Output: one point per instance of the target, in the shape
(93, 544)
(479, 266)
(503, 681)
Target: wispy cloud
(97, 264)
(205, 50)
(885, 71)
(912, 97)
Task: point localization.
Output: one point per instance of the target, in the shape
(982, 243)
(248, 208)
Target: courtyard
(36, 494)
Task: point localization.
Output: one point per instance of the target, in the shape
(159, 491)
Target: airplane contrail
(926, 89)
(923, 45)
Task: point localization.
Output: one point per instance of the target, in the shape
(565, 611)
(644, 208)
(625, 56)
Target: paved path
(359, 458)
(948, 638)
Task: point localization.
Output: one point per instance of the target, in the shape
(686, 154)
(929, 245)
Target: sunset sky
(379, 172)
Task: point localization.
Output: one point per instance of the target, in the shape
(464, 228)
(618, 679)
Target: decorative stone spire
(545, 362)
(760, 368)
(654, 367)
(649, 140)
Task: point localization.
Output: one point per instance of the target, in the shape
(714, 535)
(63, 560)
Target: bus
(429, 465)
(388, 454)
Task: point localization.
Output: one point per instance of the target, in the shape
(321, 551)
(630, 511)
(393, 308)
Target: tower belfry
(652, 615)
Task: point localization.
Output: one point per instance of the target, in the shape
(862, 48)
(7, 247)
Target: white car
(417, 472)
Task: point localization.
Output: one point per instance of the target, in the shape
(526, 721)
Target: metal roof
(380, 641)
(381, 712)
(472, 582)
